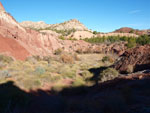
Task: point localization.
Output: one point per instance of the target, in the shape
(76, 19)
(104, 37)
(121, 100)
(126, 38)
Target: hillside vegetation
(63, 70)
(132, 41)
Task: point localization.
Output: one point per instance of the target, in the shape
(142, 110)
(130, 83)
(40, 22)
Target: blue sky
(100, 15)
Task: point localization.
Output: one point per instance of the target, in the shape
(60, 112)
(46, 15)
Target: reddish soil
(13, 48)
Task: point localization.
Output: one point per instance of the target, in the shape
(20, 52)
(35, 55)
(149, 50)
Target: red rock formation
(131, 30)
(138, 58)
(35, 43)
(10, 46)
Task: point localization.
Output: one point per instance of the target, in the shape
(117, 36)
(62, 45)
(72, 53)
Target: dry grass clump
(6, 59)
(58, 51)
(67, 58)
(108, 74)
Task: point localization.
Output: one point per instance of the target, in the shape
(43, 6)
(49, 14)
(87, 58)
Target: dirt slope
(11, 47)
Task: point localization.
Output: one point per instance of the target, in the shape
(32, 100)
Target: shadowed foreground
(117, 96)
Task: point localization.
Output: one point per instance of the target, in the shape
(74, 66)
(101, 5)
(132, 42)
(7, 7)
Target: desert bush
(108, 74)
(131, 43)
(5, 74)
(130, 69)
(2, 65)
(78, 82)
(39, 70)
(85, 75)
(107, 59)
(67, 72)
(58, 51)
(47, 58)
(67, 58)
(76, 57)
(6, 59)
(37, 83)
(142, 40)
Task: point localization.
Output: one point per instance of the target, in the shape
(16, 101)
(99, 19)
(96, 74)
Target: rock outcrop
(73, 24)
(136, 59)
(81, 35)
(35, 25)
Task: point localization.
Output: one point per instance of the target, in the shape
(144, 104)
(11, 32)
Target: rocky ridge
(67, 25)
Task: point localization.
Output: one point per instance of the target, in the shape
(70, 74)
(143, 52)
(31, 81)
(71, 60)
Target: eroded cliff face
(11, 47)
(34, 42)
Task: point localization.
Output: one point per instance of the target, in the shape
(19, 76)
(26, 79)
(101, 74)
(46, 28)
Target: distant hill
(131, 30)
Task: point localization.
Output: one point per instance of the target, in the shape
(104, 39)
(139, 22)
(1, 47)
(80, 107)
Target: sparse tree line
(132, 41)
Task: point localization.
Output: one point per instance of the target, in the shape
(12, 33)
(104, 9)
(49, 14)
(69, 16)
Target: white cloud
(134, 11)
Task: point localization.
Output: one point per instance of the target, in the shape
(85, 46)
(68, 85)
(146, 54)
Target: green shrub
(142, 40)
(131, 43)
(78, 82)
(108, 74)
(39, 70)
(132, 31)
(62, 37)
(5, 74)
(37, 83)
(66, 71)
